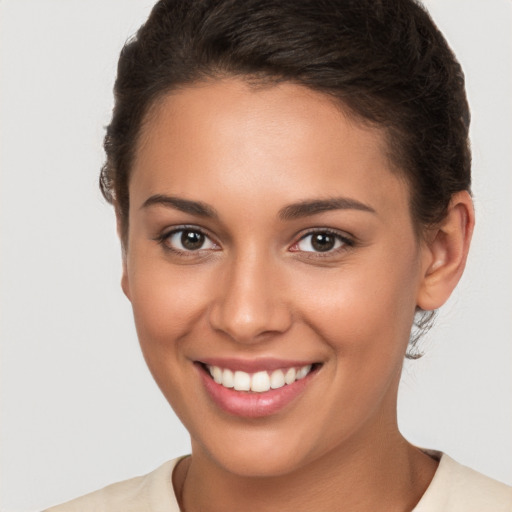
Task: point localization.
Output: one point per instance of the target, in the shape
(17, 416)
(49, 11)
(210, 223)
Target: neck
(385, 473)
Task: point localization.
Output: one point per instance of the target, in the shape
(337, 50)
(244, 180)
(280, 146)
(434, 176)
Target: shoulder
(152, 493)
(457, 488)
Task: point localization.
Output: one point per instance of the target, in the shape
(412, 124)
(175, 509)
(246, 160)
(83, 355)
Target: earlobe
(446, 253)
(125, 283)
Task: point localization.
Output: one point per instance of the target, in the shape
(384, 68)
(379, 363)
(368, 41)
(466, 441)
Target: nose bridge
(249, 300)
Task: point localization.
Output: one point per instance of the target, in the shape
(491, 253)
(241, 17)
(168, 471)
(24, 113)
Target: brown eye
(188, 240)
(192, 240)
(321, 241)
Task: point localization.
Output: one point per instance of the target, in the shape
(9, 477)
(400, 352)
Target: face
(273, 271)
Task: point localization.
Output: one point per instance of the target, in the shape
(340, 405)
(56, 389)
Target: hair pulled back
(384, 60)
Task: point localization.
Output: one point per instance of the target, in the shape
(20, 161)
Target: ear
(446, 251)
(125, 285)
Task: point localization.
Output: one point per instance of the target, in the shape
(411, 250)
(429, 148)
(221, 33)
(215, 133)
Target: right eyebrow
(183, 205)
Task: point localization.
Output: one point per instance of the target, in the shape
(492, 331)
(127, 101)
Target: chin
(257, 455)
(258, 464)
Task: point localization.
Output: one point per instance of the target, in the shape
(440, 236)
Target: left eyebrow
(312, 207)
(184, 205)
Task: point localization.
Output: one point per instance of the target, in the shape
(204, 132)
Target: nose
(251, 302)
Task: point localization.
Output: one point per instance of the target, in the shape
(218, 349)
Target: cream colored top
(454, 488)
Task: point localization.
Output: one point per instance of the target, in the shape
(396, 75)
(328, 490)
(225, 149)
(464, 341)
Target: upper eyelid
(336, 232)
(184, 227)
(348, 242)
(166, 233)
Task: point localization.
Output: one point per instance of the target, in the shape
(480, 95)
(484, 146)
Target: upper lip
(254, 365)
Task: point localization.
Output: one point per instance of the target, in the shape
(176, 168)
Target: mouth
(254, 392)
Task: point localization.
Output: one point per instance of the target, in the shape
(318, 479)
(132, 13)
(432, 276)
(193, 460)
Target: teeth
(290, 375)
(242, 381)
(257, 382)
(277, 379)
(303, 371)
(260, 382)
(228, 379)
(217, 374)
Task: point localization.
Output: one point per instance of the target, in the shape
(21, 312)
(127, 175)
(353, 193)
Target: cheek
(353, 303)
(168, 304)
(166, 300)
(364, 312)
(365, 318)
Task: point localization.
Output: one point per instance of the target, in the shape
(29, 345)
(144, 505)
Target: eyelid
(168, 232)
(346, 239)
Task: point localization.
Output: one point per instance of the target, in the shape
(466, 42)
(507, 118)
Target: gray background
(79, 408)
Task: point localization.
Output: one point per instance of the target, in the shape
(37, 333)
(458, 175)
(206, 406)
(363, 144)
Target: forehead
(281, 140)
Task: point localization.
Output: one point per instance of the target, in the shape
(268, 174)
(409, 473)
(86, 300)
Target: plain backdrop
(79, 408)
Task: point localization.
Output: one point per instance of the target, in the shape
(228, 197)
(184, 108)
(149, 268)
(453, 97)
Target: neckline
(430, 494)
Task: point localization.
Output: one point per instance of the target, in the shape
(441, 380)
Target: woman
(291, 182)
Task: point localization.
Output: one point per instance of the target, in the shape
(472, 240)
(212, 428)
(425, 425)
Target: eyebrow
(307, 208)
(289, 212)
(184, 205)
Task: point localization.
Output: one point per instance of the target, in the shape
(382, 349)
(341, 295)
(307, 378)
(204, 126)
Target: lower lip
(252, 404)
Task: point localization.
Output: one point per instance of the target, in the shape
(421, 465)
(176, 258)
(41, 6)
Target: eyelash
(166, 235)
(346, 241)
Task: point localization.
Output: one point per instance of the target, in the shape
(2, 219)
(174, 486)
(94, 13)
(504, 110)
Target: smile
(259, 382)
(255, 389)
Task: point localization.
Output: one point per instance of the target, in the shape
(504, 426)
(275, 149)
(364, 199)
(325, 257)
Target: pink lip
(249, 404)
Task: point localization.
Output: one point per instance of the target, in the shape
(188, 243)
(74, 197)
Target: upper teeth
(259, 381)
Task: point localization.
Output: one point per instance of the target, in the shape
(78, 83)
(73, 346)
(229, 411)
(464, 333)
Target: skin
(257, 289)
